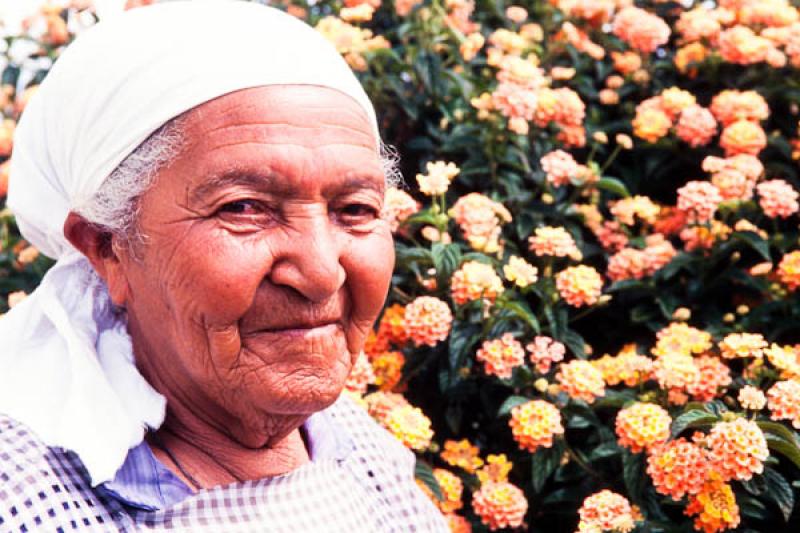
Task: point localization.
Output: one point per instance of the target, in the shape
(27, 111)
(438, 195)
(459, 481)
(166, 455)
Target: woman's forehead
(284, 112)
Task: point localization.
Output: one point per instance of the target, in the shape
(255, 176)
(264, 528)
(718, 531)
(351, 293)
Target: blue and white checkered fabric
(370, 488)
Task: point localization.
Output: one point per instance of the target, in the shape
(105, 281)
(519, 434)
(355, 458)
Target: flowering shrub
(594, 322)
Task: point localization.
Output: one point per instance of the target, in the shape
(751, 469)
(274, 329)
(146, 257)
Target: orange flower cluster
(564, 108)
(388, 369)
(677, 468)
(743, 46)
(452, 488)
(606, 511)
(696, 126)
(742, 345)
(737, 449)
(674, 107)
(496, 469)
(736, 176)
(351, 41)
(520, 272)
(786, 359)
(473, 281)
(783, 400)
(561, 169)
(642, 425)
(534, 424)
(410, 426)
(675, 371)
(751, 398)
(714, 507)
(626, 367)
(713, 376)
(398, 205)
(579, 285)
(554, 242)
(462, 454)
(501, 356)
(642, 30)
(581, 380)
(681, 338)
(392, 325)
(699, 200)
(361, 375)
(731, 106)
(500, 505)
(437, 177)
(457, 523)
(544, 351)
(628, 210)
(380, 404)
(480, 219)
(427, 320)
(777, 198)
(743, 137)
(628, 263)
(789, 270)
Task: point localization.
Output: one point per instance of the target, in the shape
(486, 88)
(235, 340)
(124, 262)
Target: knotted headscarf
(66, 363)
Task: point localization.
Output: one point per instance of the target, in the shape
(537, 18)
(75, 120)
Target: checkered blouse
(359, 479)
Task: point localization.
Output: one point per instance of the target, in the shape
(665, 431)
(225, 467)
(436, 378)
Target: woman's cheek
(227, 272)
(370, 261)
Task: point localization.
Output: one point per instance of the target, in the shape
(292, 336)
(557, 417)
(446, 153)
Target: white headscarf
(66, 367)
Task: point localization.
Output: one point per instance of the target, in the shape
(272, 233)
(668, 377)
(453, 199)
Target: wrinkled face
(265, 261)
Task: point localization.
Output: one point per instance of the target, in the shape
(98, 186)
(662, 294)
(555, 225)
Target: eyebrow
(276, 183)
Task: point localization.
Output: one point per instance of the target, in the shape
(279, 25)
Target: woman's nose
(308, 260)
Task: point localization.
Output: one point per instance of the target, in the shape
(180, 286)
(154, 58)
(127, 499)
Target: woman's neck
(204, 452)
(202, 461)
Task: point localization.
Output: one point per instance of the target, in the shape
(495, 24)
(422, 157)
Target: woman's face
(265, 261)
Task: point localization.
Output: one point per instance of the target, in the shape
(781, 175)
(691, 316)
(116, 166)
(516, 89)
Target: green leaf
(633, 473)
(446, 258)
(578, 422)
(626, 285)
(778, 429)
(510, 403)
(780, 492)
(614, 398)
(575, 343)
(784, 447)
(609, 448)
(613, 185)
(754, 241)
(524, 312)
(424, 473)
(544, 462)
(751, 507)
(690, 419)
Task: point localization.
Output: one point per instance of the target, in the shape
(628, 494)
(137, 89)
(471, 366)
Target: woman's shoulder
(368, 435)
(43, 488)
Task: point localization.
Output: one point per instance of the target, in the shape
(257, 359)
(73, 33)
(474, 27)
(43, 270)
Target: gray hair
(115, 205)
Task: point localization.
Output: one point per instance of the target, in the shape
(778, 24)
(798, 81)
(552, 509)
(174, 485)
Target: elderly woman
(208, 175)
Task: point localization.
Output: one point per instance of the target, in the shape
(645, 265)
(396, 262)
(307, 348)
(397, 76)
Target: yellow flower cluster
(474, 281)
(642, 425)
(581, 380)
(606, 511)
(534, 424)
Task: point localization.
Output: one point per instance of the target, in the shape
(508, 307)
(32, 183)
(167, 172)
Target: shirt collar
(145, 483)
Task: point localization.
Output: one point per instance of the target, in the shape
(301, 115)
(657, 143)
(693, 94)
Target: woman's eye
(246, 214)
(359, 211)
(241, 207)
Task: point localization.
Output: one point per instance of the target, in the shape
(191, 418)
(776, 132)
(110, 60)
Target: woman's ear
(97, 244)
